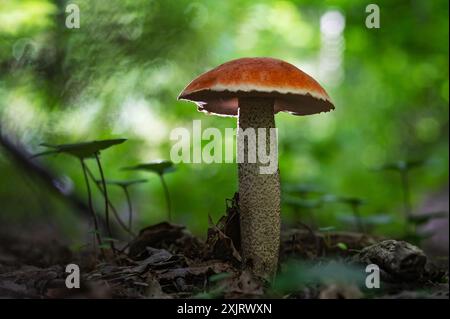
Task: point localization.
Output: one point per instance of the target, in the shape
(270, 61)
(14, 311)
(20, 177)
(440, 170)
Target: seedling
(403, 168)
(302, 190)
(368, 221)
(83, 151)
(111, 206)
(302, 204)
(124, 186)
(326, 231)
(354, 203)
(420, 220)
(159, 167)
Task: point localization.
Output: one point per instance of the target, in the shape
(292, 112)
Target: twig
(20, 157)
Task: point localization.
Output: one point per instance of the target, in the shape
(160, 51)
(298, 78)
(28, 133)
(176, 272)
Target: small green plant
(124, 186)
(299, 204)
(302, 190)
(302, 197)
(403, 168)
(83, 151)
(419, 220)
(354, 203)
(342, 246)
(326, 231)
(111, 206)
(368, 221)
(160, 167)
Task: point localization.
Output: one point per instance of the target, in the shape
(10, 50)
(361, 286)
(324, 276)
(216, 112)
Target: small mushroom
(254, 89)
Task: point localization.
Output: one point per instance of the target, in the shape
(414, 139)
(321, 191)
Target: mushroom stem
(259, 194)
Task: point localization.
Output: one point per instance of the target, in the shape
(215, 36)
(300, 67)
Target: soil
(167, 261)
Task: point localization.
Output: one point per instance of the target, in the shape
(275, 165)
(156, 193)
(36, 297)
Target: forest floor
(167, 261)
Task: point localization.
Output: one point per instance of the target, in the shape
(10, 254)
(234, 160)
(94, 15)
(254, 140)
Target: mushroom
(254, 89)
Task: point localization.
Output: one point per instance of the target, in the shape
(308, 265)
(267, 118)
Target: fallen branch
(20, 157)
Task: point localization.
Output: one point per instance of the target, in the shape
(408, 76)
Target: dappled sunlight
(17, 15)
(85, 110)
(76, 121)
(138, 117)
(280, 20)
(332, 26)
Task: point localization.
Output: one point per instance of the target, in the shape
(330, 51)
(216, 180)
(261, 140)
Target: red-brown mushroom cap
(217, 91)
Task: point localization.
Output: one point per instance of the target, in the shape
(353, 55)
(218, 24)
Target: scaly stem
(91, 208)
(130, 207)
(166, 194)
(259, 193)
(114, 210)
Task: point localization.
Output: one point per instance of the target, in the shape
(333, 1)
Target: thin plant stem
(102, 176)
(114, 210)
(130, 207)
(91, 208)
(166, 193)
(406, 194)
(100, 169)
(359, 223)
(407, 201)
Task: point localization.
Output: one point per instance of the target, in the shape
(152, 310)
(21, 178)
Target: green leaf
(379, 219)
(123, 183)
(301, 203)
(219, 277)
(44, 153)
(212, 294)
(159, 167)
(80, 150)
(327, 229)
(342, 246)
(401, 165)
(109, 239)
(329, 198)
(425, 218)
(301, 189)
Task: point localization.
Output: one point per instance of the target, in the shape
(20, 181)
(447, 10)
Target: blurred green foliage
(120, 73)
